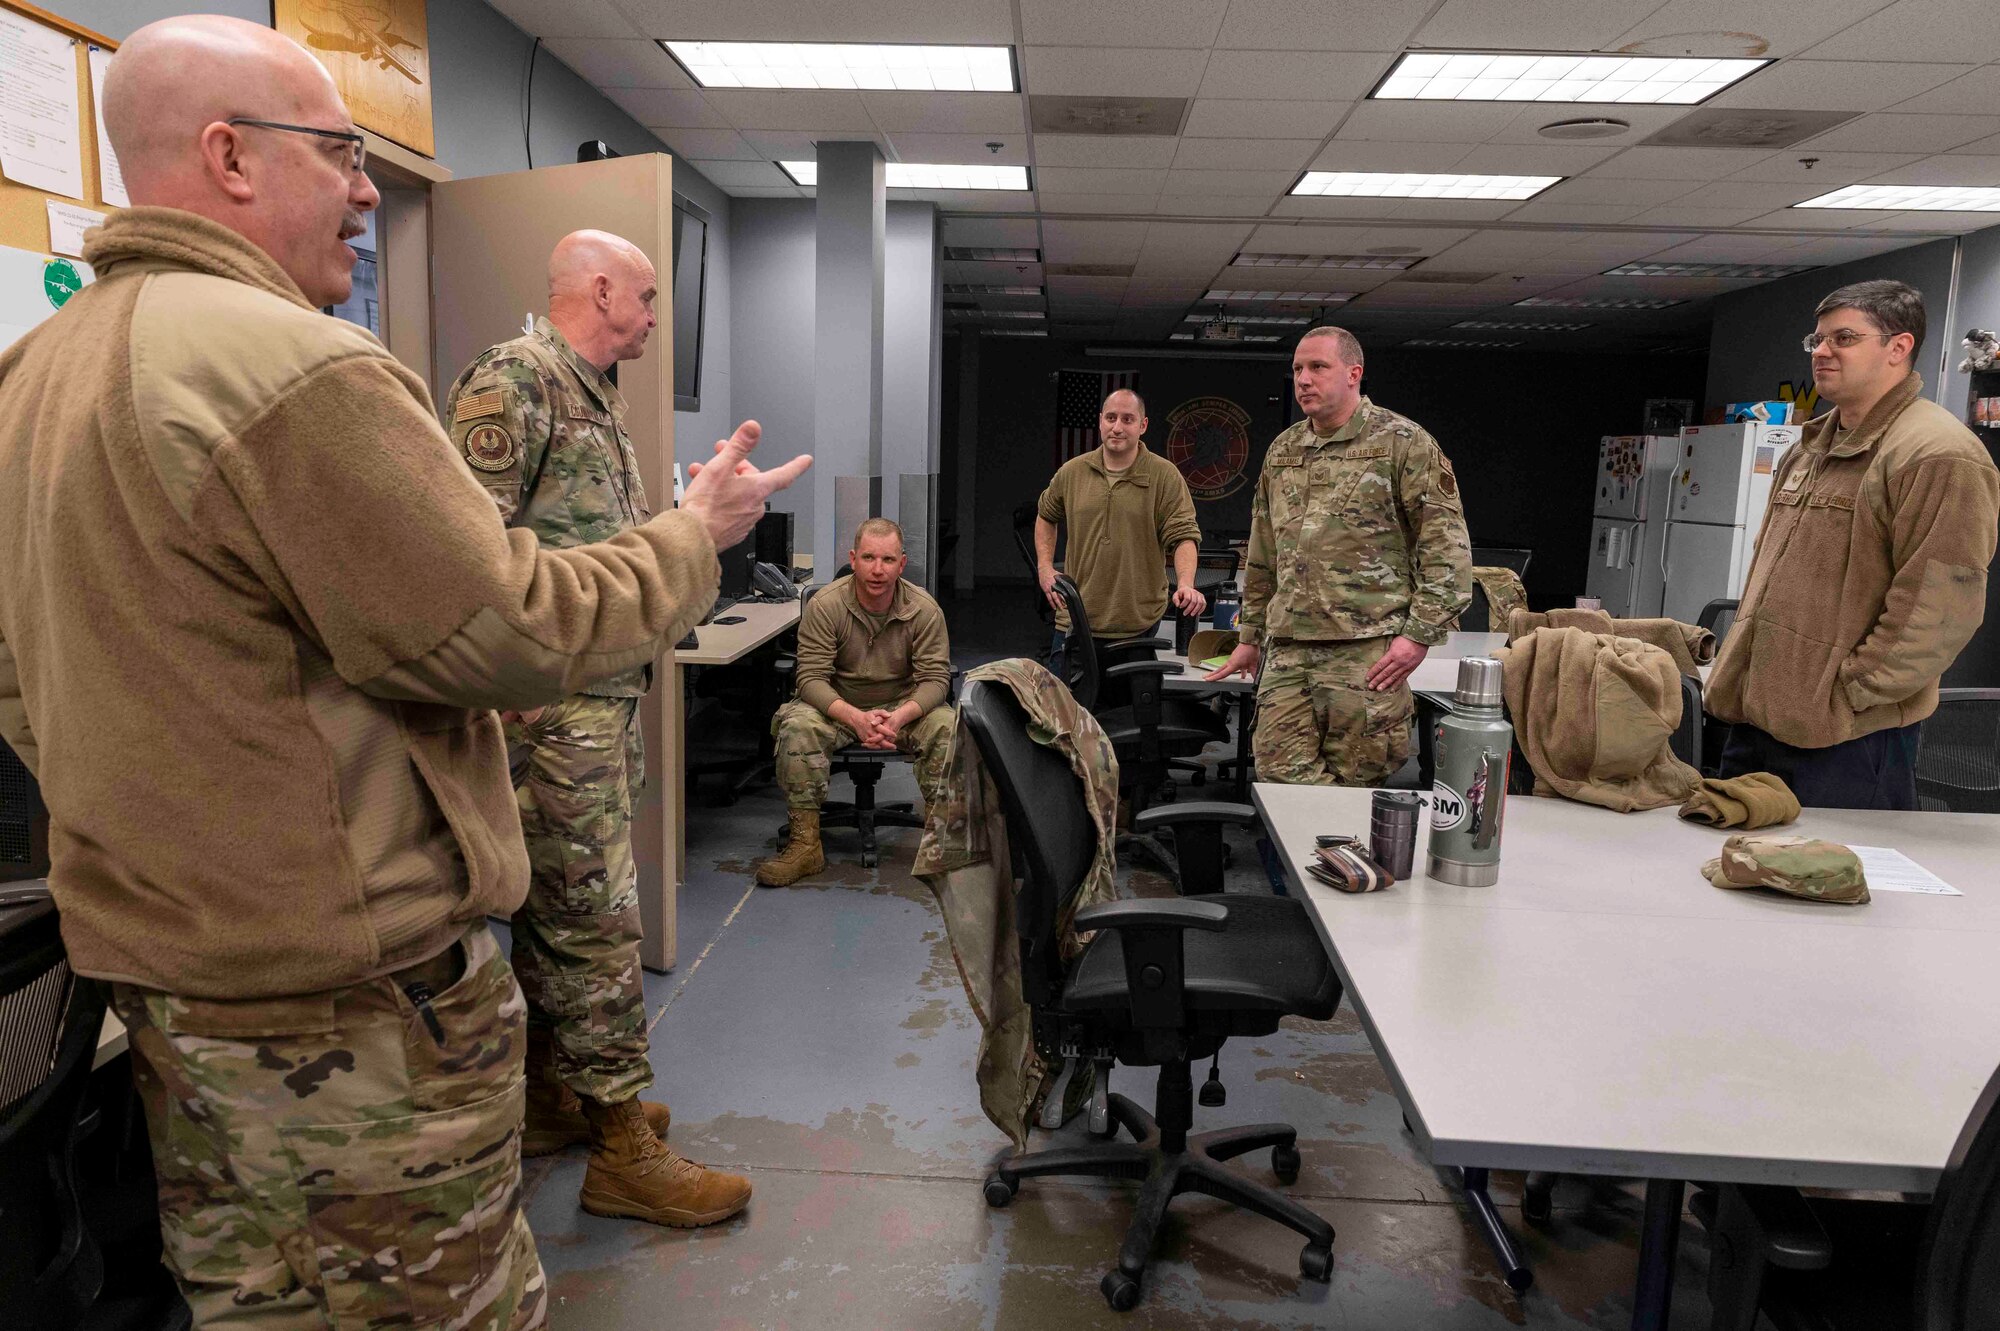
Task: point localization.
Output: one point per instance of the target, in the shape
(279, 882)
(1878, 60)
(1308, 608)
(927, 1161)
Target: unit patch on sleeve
(489, 447)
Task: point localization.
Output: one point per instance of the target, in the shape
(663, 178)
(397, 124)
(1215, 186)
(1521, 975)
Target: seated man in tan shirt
(874, 670)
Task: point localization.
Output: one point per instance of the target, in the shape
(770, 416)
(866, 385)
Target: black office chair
(50, 1267)
(1958, 754)
(1825, 1263)
(863, 766)
(1503, 556)
(1163, 983)
(1686, 740)
(1717, 617)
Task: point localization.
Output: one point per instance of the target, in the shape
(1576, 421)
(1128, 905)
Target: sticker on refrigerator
(1766, 455)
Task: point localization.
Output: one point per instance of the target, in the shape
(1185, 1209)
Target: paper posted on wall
(39, 147)
(1889, 870)
(110, 179)
(67, 223)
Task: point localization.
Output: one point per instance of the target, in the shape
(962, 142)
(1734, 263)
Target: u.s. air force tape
(489, 447)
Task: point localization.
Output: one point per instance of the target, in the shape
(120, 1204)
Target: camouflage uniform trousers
(1318, 722)
(576, 937)
(807, 741)
(337, 1160)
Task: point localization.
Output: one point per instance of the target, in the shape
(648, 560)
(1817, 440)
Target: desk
(659, 833)
(1604, 1010)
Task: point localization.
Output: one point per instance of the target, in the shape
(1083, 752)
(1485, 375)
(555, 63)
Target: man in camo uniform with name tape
(1358, 565)
(541, 425)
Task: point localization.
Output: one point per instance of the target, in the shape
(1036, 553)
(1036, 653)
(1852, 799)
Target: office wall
(912, 303)
(1525, 463)
(1754, 345)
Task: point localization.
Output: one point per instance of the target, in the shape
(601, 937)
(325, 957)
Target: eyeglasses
(1842, 339)
(355, 141)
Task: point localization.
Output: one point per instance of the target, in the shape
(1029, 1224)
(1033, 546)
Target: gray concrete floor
(817, 1039)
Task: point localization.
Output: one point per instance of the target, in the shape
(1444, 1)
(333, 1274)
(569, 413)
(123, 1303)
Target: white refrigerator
(1719, 489)
(1628, 523)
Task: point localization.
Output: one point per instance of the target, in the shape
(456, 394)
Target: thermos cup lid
(1479, 681)
(1395, 801)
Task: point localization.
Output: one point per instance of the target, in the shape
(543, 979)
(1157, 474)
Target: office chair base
(1164, 1175)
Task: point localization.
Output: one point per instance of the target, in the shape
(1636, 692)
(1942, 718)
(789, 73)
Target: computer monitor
(773, 539)
(736, 566)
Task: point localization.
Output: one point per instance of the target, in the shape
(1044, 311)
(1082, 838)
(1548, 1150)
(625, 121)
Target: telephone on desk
(771, 583)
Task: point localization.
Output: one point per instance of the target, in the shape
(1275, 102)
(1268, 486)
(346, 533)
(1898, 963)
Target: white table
(1604, 1010)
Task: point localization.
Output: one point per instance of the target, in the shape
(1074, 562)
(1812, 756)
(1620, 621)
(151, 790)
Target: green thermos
(1474, 745)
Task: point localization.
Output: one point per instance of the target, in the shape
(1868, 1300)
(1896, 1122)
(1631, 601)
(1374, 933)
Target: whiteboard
(31, 285)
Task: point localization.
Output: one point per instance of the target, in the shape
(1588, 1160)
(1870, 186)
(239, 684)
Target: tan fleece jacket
(254, 613)
(1691, 645)
(1869, 576)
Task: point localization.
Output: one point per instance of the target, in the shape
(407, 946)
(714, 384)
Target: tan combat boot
(802, 855)
(633, 1173)
(555, 1115)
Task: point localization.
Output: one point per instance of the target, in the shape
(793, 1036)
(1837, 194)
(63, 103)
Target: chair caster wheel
(1316, 1263)
(1537, 1205)
(1120, 1291)
(1285, 1164)
(998, 1191)
(868, 858)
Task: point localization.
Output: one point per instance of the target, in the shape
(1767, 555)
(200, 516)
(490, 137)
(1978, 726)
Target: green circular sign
(60, 281)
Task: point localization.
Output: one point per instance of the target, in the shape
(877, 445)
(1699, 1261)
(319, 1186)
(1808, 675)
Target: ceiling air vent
(1049, 113)
(1087, 269)
(1732, 127)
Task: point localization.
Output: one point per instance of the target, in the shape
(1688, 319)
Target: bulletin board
(24, 214)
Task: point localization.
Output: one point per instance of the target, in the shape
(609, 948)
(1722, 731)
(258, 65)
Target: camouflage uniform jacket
(964, 859)
(1358, 536)
(544, 431)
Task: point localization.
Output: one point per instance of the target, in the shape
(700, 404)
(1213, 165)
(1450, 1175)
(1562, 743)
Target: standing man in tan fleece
(279, 802)
(1870, 571)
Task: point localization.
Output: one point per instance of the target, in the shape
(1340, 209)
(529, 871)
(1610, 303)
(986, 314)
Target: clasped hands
(877, 727)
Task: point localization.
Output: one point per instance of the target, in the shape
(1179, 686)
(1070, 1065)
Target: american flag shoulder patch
(474, 405)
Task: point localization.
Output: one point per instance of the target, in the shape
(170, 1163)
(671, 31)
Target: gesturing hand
(727, 493)
(1243, 661)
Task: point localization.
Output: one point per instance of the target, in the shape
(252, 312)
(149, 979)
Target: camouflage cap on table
(1799, 866)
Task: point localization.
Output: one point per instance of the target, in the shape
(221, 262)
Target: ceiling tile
(996, 274)
(1975, 91)
(1828, 169)
(712, 145)
(1650, 163)
(1526, 121)
(1099, 180)
(1605, 190)
(1284, 76)
(1677, 214)
(1138, 150)
(1288, 155)
(945, 112)
(1537, 211)
(1087, 71)
(1842, 249)
(730, 175)
(1245, 278)
(1951, 169)
(1725, 249)
(1055, 203)
(1426, 122)
(660, 106)
(1314, 25)
(998, 232)
(1818, 219)
(1891, 132)
(798, 145)
(1980, 147)
(971, 200)
(1938, 31)
(1470, 210)
(1530, 159)
(564, 18)
(1267, 185)
(1837, 85)
(1092, 242)
(1741, 27)
(1228, 118)
(1362, 155)
(763, 108)
(1950, 223)
(986, 22)
(959, 149)
(1171, 204)
(615, 63)
(1531, 25)
(764, 191)
(1293, 205)
(1188, 23)
(1749, 194)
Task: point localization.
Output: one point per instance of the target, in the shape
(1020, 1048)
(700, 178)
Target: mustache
(351, 225)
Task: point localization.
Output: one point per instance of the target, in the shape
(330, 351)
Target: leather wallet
(1348, 869)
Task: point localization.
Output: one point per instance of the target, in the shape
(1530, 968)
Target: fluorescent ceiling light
(974, 289)
(995, 314)
(1420, 185)
(1262, 337)
(844, 65)
(1396, 263)
(1758, 270)
(1286, 297)
(1595, 303)
(1013, 332)
(1454, 342)
(987, 254)
(1250, 320)
(927, 175)
(1180, 337)
(1921, 198)
(1509, 326)
(1500, 76)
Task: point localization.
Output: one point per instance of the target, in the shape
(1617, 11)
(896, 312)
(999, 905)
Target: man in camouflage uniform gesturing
(1358, 564)
(541, 426)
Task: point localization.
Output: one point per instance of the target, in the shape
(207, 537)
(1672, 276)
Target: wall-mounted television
(690, 291)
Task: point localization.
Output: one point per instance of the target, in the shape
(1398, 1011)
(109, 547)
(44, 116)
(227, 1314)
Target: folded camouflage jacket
(964, 859)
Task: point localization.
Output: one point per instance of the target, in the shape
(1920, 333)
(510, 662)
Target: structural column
(850, 230)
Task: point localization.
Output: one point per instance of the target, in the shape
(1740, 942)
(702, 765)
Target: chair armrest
(1123, 645)
(1155, 913)
(1200, 812)
(1127, 669)
(1789, 1233)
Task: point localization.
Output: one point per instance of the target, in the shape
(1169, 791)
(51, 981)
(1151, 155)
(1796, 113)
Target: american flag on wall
(1079, 394)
